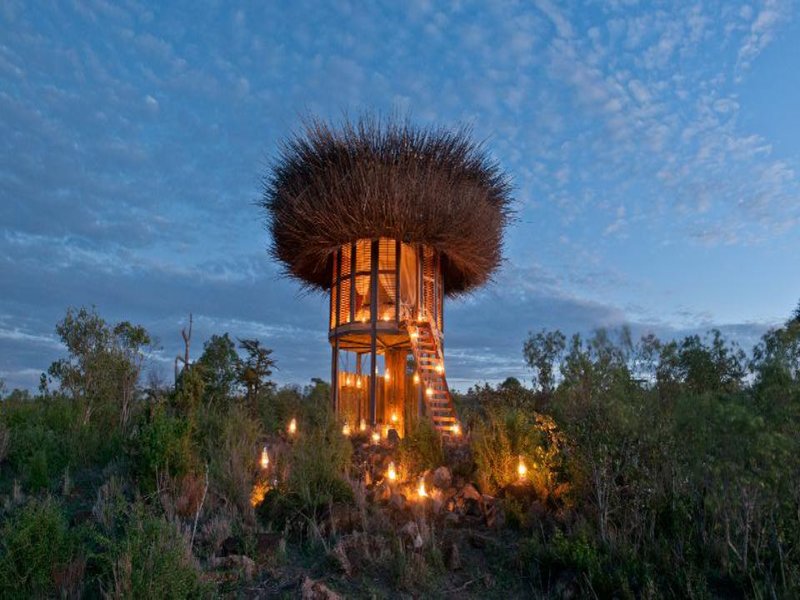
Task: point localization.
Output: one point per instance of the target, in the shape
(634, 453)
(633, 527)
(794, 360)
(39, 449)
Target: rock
(442, 478)
(468, 492)
(242, 563)
(397, 501)
(316, 590)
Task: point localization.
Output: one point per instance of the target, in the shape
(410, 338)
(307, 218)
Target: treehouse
(387, 220)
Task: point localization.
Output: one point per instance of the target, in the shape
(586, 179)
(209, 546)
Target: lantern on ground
(522, 470)
(421, 491)
(362, 426)
(292, 426)
(346, 429)
(376, 437)
(391, 472)
(264, 458)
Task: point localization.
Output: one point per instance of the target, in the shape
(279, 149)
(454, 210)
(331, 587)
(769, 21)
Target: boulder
(397, 502)
(316, 590)
(239, 562)
(442, 478)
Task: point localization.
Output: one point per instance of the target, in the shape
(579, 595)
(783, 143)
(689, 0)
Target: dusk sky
(654, 150)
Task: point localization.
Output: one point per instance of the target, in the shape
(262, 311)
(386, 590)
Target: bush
(153, 560)
(507, 435)
(163, 445)
(319, 460)
(232, 442)
(38, 553)
(422, 448)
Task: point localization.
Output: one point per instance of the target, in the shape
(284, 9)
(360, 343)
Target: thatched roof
(386, 178)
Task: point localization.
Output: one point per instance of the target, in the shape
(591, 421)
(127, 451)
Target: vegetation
(652, 469)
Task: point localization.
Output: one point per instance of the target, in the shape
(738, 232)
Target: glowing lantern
(376, 437)
(264, 458)
(346, 429)
(416, 378)
(421, 489)
(439, 368)
(413, 335)
(363, 425)
(456, 429)
(429, 391)
(293, 426)
(394, 417)
(521, 468)
(387, 315)
(386, 375)
(358, 382)
(391, 473)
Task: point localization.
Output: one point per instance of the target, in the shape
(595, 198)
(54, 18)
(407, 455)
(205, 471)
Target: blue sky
(654, 149)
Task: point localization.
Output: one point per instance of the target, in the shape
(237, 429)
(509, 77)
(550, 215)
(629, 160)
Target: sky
(654, 149)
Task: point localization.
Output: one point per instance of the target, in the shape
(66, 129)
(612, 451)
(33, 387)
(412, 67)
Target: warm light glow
(439, 368)
(264, 458)
(386, 375)
(293, 426)
(346, 429)
(258, 492)
(376, 437)
(363, 425)
(394, 417)
(391, 473)
(456, 429)
(413, 335)
(416, 378)
(358, 382)
(521, 469)
(421, 489)
(387, 315)
(429, 391)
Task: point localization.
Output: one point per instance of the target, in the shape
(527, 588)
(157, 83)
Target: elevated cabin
(382, 292)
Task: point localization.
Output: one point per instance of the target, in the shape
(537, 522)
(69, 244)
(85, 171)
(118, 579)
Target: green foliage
(506, 436)
(542, 354)
(153, 560)
(232, 444)
(103, 365)
(319, 462)
(35, 547)
(162, 444)
(218, 364)
(254, 370)
(422, 448)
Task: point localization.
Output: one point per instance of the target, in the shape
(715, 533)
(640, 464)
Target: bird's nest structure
(386, 178)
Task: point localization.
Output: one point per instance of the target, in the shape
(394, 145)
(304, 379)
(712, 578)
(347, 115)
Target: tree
(218, 365)
(254, 370)
(542, 352)
(103, 363)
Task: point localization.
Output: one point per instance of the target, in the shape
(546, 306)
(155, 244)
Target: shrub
(421, 448)
(233, 456)
(153, 560)
(36, 551)
(319, 460)
(163, 444)
(507, 435)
